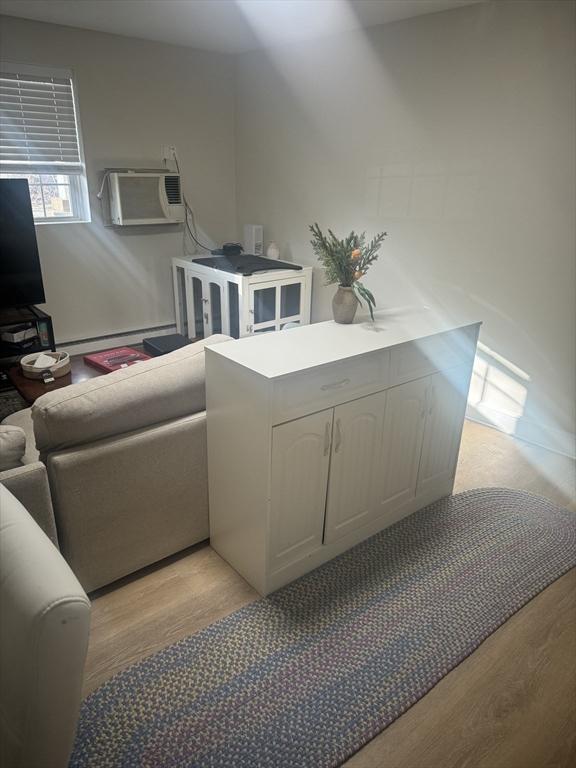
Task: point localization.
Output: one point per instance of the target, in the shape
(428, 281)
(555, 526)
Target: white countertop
(283, 352)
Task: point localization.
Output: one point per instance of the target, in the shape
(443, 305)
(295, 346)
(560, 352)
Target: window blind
(38, 123)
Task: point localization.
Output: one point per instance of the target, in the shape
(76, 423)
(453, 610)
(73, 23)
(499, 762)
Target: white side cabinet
(209, 300)
(321, 437)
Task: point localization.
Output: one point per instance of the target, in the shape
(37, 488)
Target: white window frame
(76, 177)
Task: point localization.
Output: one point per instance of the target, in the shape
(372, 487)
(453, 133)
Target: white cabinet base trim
(327, 552)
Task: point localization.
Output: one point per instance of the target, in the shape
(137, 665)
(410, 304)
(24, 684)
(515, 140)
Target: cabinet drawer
(422, 357)
(320, 388)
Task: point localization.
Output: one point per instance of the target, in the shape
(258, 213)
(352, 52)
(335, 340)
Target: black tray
(244, 264)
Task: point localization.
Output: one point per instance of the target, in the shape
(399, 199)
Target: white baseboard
(555, 440)
(96, 344)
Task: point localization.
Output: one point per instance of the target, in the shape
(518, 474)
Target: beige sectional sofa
(126, 460)
(22, 474)
(45, 621)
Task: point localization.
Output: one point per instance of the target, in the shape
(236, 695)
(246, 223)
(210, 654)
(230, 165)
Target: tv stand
(31, 316)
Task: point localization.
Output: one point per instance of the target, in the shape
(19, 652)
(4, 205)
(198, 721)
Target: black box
(160, 345)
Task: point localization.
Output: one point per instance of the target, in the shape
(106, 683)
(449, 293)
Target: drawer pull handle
(335, 384)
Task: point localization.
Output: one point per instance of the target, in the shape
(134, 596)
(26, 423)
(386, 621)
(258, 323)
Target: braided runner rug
(305, 677)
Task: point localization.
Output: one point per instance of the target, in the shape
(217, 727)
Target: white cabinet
(208, 300)
(320, 437)
(300, 462)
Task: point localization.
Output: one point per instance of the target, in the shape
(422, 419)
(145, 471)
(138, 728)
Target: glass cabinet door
(291, 303)
(209, 306)
(200, 310)
(215, 307)
(180, 303)
(274, 304)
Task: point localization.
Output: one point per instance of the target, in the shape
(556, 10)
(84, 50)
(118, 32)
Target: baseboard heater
(109, 341)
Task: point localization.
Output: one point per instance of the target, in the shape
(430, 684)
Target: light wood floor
(511, 704)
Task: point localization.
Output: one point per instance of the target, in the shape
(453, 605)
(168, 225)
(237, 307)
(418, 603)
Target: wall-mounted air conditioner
(145, 198)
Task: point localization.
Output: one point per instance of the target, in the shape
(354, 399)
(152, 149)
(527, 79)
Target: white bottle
(272, 252)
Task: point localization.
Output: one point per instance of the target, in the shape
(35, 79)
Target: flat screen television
(20, 272)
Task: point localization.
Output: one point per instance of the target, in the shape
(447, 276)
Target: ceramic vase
(273, 252)
(344, 305)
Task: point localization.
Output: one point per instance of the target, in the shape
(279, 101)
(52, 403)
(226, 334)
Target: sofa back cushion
(146, 393)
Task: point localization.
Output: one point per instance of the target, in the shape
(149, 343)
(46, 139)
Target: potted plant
(346, 262)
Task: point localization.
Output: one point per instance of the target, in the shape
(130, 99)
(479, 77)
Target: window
(40, 140)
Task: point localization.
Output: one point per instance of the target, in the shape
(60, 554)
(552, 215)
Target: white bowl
(60, 368)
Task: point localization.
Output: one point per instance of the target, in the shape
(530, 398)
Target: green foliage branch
(347, 261)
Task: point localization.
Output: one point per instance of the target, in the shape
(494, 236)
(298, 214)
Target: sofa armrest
(43, 643)
(29, 484)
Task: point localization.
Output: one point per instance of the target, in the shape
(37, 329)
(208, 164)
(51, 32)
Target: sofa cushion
(23, 419)
(146, 393)
(12, 446)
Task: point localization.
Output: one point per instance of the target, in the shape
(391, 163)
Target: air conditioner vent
(172, 186)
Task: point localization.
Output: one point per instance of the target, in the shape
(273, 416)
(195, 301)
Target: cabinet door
(300, 460)
(448, 392)
(207, 304)
(217, 306)
(292, 301)
(274, 304)
(197, 301)
(401, 444)
(262, 307)
(354, 465)
(180, 305)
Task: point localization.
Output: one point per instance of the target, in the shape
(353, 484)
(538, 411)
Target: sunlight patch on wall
(498, 389)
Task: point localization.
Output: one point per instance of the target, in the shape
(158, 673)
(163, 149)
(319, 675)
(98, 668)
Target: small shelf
(34, 317)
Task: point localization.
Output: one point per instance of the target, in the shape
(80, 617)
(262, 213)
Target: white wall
(135, 96)
(455, 133)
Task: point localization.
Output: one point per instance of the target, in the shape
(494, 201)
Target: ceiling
(227, 26)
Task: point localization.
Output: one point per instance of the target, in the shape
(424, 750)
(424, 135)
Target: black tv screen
(20, 272)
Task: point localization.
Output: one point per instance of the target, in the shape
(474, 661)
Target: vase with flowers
(346, 262)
